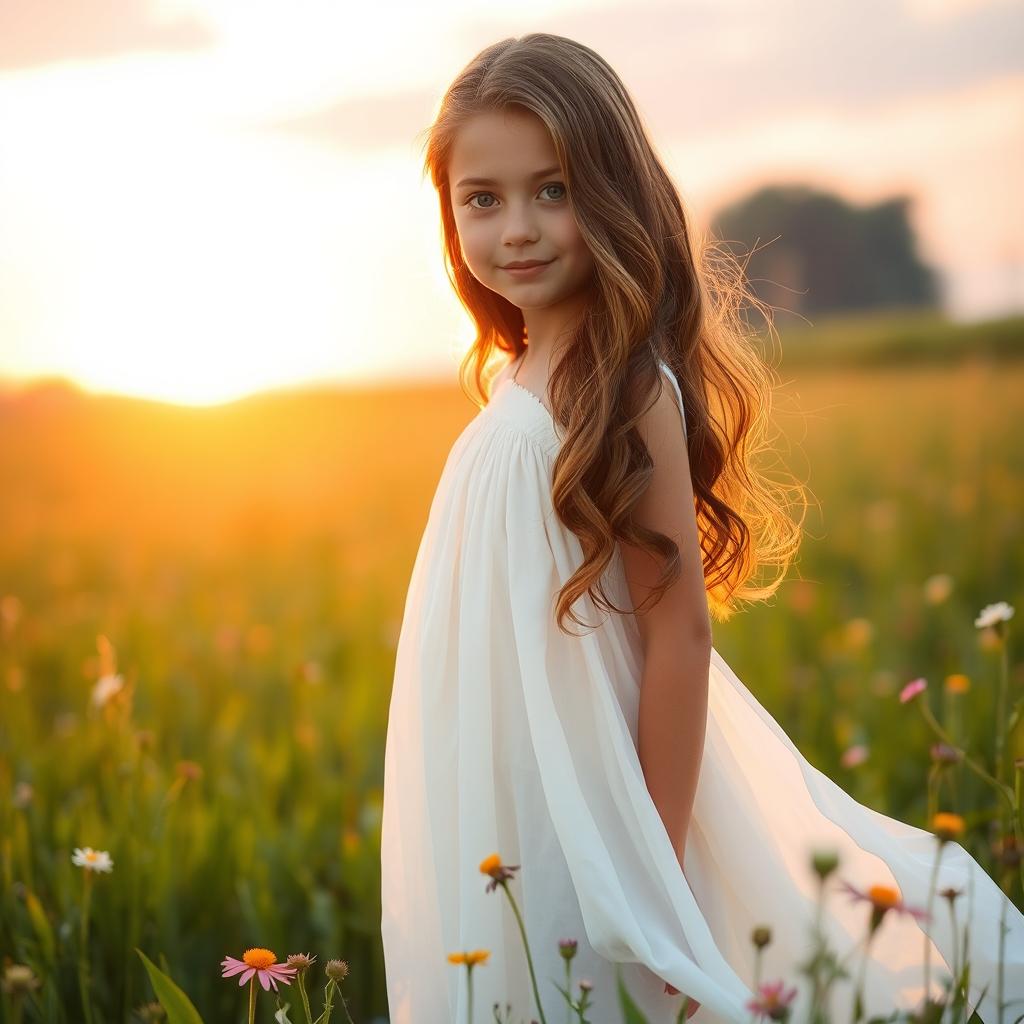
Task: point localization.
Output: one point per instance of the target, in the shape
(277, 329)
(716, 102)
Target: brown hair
(653, 298)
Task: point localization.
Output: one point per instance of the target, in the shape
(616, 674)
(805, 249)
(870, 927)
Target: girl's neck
(546, 331)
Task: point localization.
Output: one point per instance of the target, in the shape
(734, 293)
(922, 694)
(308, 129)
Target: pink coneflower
(772, 1000)
(261, 962)
(912, 689)
(883, 898)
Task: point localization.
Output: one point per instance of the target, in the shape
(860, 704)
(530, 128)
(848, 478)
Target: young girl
(656, 812)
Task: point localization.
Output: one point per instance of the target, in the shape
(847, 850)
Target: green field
(244, 569)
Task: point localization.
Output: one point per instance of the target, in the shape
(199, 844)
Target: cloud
(696, 66)
(45, 31)
(699, 64)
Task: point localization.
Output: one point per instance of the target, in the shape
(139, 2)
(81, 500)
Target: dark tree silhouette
(815, 252)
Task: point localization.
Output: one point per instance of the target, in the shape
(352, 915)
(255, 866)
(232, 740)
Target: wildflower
(23, 794)
(337, 970)
(586, 985)
(259, 962)
(772, 1000)
(912, 689)
(857, 633)
(92, 860)
(993, 615)
(824, 863)
(105, 689)
(19, 980)
(957, 683)
(1006, 851)
(761, 936)
(567, 948)
(943, 753)
(938, 587)
(301, 961)
(882, 898)
(500, 873)
(470, 959)
(853, 756)
(951, 893)
(189, 770)
(947, 826)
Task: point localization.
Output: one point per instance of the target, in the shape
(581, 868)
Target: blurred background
(228, 384)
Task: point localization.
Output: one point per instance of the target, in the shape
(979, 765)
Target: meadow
(198, 617)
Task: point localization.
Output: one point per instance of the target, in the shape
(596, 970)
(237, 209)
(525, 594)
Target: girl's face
(515, 207)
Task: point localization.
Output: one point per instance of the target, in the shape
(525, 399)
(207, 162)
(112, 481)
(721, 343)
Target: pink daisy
(772, 1000)
(262, 963)
(912, 689)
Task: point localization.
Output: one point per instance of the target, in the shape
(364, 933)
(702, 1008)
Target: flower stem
(568, 988)
(304, 997)
(526, 946)
(1001, 787)
(344, 1005)
(252, 999)
(1004, 673)
(858, 1003)
(83, 949)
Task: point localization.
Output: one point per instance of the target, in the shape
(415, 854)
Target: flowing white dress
(507, 736)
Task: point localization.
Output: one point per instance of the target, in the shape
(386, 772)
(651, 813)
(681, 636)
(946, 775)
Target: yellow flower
(957, 683)
(947, 826)
(470, 958)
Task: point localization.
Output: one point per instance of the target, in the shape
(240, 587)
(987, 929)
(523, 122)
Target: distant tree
(817, 253)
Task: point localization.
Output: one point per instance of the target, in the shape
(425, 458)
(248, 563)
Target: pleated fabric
(505, 735)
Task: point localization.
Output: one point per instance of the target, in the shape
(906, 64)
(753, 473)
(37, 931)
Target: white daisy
(993, 613)
(92, 860)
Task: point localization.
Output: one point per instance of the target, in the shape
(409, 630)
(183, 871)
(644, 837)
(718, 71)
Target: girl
(656, 811)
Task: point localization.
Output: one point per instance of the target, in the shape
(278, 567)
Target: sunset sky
(199, 200)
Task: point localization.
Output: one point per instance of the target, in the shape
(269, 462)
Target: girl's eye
(477, 195)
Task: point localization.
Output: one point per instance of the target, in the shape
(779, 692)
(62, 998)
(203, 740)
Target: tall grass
(242, 571)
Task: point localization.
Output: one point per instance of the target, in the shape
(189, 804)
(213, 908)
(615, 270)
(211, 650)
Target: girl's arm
(676, 632)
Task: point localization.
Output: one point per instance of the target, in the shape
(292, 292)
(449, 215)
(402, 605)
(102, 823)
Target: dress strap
(679, 395)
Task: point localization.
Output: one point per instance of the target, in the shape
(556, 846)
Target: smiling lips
(524, 264)
(526, 268)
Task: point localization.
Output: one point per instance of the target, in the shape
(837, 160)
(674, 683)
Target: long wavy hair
(654, 297)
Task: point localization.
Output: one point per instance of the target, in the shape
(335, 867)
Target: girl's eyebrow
(491, 181)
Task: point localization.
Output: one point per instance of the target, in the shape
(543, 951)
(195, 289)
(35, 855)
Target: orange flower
(489, 864)
(947, 826)
(883, 898)
(957, 683)
(500, 873)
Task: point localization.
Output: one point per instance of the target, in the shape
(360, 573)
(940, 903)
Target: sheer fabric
(507, 736)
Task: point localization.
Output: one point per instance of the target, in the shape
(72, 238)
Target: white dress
(507, 736)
